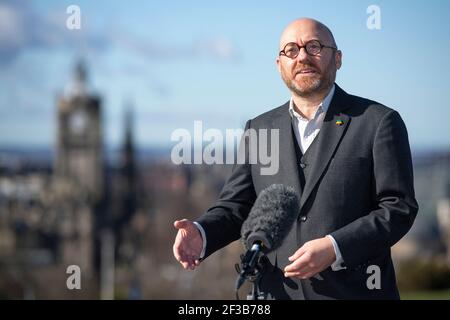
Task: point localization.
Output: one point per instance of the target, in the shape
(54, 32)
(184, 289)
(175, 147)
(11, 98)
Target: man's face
(308, 75)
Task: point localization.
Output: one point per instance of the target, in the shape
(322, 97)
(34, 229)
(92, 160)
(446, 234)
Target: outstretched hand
(188, 244)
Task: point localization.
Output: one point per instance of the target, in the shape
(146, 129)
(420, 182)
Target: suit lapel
(288, 171)
(331, 133)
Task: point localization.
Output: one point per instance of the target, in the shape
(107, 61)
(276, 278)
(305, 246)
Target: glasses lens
(291, 50)
(313, 47)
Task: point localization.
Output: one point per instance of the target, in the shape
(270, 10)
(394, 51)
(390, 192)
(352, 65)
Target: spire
(78, 84)
(80, 72)
(128, 152)
(128, 187)
(128, 143)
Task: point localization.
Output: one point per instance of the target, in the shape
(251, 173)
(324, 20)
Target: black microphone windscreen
(271, 217)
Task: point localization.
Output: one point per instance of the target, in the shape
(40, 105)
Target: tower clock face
(78, 122)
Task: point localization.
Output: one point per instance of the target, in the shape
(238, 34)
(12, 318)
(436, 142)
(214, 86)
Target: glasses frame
(283, 52)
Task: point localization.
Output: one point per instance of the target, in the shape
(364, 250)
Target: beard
(311, 85)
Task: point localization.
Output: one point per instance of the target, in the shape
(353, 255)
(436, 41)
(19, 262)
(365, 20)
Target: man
(349, 160)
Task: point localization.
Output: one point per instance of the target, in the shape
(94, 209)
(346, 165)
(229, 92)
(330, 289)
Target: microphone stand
(255, 293)
(253, 265)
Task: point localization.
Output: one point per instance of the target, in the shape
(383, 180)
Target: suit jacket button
(303, 218)
(303, 165)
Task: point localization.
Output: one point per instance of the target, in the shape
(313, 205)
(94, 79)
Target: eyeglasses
(312, 48)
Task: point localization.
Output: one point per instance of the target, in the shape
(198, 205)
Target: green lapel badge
(339, 122)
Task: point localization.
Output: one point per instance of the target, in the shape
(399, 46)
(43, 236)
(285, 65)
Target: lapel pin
(339, 122)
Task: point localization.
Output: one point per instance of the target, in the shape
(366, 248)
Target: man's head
(308, 75)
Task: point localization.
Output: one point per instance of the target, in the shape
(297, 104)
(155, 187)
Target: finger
(297, 254)
(191, 259)
(195, 261)
(296, 273)
(176, 254)
(297, 265)
(306, 273)
(298, 276)
(179, 224)
(177, 251)
(180, 258)
(291, 275)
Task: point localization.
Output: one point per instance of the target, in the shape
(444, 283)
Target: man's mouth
(306, 71)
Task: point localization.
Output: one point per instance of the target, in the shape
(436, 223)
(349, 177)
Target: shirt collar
(323, 106)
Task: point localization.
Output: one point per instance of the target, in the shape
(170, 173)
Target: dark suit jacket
(359, 190)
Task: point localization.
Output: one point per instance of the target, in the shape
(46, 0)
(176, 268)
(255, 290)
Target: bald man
(349, 160)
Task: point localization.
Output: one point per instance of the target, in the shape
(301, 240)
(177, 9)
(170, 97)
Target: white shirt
(305, 131)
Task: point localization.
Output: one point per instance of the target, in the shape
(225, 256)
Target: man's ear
(277, 60)
(338, 59)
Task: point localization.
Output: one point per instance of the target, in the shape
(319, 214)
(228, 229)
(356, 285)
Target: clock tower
(79, 152)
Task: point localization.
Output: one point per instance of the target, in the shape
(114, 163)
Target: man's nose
(302, 55)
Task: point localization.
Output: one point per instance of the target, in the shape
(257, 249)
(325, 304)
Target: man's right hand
(188, 244)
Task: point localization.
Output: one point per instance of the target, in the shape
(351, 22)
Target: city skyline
(177, 63)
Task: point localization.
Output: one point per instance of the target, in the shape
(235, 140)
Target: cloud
(12, 35)
(22, 28)
(219, 48)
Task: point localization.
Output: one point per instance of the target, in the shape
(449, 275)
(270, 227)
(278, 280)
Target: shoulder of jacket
(271, 113)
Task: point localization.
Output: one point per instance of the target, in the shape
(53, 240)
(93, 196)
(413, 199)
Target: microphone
(268, 223)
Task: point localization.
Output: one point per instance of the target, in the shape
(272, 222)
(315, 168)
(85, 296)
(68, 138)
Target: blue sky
(181, 61)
